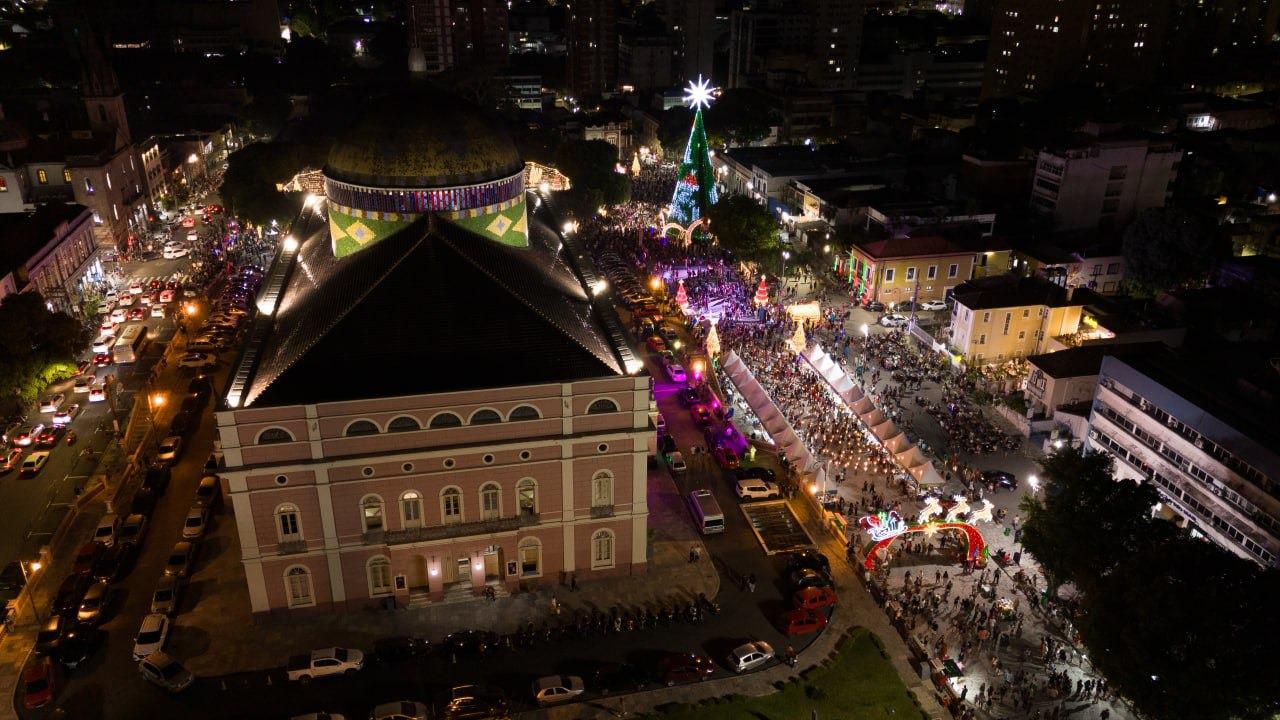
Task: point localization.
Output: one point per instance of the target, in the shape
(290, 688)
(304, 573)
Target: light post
(786, 255)
(29, 570)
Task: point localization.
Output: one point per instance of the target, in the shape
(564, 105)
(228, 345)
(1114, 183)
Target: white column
(566, 507)
(244, 526)
(336, 582)
(257, 586)
(325, 499)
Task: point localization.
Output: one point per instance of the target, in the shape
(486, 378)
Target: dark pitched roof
(1085, 360)
(1011, 291)
(23, 234)
(909, 247)
(429, 309)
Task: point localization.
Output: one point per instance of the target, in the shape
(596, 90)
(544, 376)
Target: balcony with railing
(291, 547)
(601, 511)
(452, 530)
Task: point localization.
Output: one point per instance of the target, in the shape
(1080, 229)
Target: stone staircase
(457, 593)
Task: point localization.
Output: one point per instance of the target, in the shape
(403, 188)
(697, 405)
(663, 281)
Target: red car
(39, 683)
(49, 437)
(684, 667)
(701, 414)
(155, 284)
(656, 343)
(801, 621)
(102, 359)
(727, 458)
(814, 598)
(136, 313)
(188, 222)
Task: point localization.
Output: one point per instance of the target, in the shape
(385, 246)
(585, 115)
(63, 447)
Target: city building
(955, 70)
(645, 62)
(1101, 178)
(1202, 430)
(521, 91)
(14, 189)
(593, 47)
(52, 252)
(1070, 377)
(1097, 266)
(899, 270)
(433, 403)
(694, 23)
(1037, 46)
(813, 43)
(1004, 317)
(444, 34)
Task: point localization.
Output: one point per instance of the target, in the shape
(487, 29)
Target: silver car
(95, 600)
(750, 656)
(165, 598)
(161, 669)
(193, 528)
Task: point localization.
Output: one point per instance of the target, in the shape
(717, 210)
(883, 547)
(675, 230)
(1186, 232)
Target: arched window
(287, 522)
(484, 417)
(371, 513)
(297, 583)
(527, 496)
(602, 489)
(274, 435)
(379, 572)
(530, 553)
(602, 549)
(361, 427)
(404, 423)
(602, 406)
(445, 420)
(524, 412)
(411, 509)
(490, 501)
(450, 506)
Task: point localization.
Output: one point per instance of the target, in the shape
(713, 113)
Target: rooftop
(23, 234)
(908, 247)
(1002, 291)
(1086, 360)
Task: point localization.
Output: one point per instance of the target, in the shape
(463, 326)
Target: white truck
(323, 663)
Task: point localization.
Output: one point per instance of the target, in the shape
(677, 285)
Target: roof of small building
(1085, 360)
(909, 247)
(1003, 291)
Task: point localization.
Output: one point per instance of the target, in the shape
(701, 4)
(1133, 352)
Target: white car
(197, 360)
(933, 305)
(175, 253)
(757, 490)
(34, 463)
(750, 656)
(97, 393)
(107, 326)
(401, 710)
(52, 403)
(84, 382)
(555, 689)
(196, 523)
(324, 662)
(169, 449)
(118, 315)
(151, 636)
(157, 311)
(893, 320)
(125, 300)
(676, 372)
(64, 417)
(193, 236)
(108, 527)
(135, 288)
(10, 460)
(104, 343)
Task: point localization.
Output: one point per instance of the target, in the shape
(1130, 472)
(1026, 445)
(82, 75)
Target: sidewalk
(211, 639)
(16, 646)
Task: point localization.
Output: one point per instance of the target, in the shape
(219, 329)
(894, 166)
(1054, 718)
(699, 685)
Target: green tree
(589, 164)
(745, 228)
(36, 347)
(741, 116)
(249, 183)
(1166, 248)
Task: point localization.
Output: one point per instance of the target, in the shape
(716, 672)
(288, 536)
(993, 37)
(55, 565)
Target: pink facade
(406, 499)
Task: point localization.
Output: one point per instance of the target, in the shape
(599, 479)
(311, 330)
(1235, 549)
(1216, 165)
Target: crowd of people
(655, 183)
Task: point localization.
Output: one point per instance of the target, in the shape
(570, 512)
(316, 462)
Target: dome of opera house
(422, 153)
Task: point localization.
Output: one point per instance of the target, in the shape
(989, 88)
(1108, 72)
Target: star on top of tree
(699, 93)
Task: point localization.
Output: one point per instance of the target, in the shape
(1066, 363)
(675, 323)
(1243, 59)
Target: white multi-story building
(1101, 180)
(1204, 435)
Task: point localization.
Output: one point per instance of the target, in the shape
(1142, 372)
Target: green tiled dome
(422, 141)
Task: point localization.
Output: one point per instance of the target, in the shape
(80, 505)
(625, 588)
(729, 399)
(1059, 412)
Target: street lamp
(29, 571)
(786, 255)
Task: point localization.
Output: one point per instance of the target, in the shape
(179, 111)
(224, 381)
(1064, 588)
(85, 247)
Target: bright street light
(290, 244)
(865, 330)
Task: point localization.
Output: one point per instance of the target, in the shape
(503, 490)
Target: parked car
(209, 493)
(755, 473)
(160, 669)
(933, 305)
(51, 635)
(151, 635)
(806, 578)
(555, 689)
(181, 558)
(893, 320)
(108, 527)
(683, 667)
(164, 599)
(52, 403)
(469, 643)
(808, 558)
(196, 523)
(66, 602)
(169, 450)
(11, 460)
(874, 306)
(756, 490)
(1001, 479)
(465, 702)
(616, 677)
(116, 563)
(132, 530)
(726, 457)
(325, 662)
(750, 656)
(400, 710)
(676, 462)
(801, 621)
(79, 644)
(95, 601)
(814, 598)
(157, 478)
(40, 683)
(401, 649)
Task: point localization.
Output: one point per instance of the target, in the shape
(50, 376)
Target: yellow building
(895, 270)
(1009, 316)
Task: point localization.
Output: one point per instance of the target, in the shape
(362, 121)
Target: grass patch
(858, 684)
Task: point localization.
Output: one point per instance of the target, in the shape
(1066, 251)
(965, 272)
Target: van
(707, 516)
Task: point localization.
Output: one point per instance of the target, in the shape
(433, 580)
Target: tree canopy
(1179, 626)
(37, 347)
(744, 228)
(740, 116)
(589, 164)
(249, 184)
(1166, 248)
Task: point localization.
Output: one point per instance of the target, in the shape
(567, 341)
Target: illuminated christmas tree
(713, 342)
(696, 187)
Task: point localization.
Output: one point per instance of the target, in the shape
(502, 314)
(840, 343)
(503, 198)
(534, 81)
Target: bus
(130, 344)
(706, 512)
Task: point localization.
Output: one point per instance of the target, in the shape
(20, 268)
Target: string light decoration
(696, 188)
